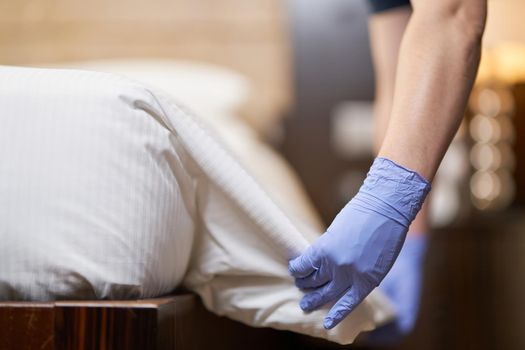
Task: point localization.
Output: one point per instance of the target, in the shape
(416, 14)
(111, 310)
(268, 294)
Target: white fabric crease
(124, 194)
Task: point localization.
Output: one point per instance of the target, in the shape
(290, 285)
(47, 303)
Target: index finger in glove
(344, 306)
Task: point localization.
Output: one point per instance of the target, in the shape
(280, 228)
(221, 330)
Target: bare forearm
(386, 32)
(437, 65)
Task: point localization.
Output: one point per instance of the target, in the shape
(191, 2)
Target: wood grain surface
(177, 322)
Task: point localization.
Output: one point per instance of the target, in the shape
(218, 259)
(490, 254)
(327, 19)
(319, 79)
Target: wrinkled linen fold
(112, 190)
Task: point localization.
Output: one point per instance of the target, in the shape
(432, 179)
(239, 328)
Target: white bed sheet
(107, 187)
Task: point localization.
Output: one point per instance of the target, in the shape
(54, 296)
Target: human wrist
(393, 190)
(421, 160)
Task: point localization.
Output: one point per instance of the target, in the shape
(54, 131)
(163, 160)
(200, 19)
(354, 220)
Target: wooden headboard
(249, 36)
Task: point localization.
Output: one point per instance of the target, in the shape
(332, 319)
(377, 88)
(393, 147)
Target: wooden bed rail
(175, 322)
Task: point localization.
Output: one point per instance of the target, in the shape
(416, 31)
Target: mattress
(112, 190)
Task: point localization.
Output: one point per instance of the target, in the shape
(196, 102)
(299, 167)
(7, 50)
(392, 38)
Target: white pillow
(212, 91)
(106, 188)
(217, 94)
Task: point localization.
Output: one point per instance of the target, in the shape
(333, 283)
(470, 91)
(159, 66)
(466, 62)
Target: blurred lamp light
(492, 190)
(491, 101)
(504, 41)
(502, 63)
(486, 156)
(485, 185)
(485, 129)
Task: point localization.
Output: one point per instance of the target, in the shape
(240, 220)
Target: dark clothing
(383, 5)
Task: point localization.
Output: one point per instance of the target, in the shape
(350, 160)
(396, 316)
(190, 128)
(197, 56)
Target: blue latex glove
(403, 286)
(360, 246)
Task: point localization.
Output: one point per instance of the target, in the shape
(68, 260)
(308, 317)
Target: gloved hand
(362, 243)
(403, 286)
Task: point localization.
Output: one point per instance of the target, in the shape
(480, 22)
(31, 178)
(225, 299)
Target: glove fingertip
(304, 304)
(294, 266)
(342, 309)
(328, 323)
(334, 318)
(299, 267)
(308, 303)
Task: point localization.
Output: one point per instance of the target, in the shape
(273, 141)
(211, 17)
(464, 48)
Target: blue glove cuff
(393, 191)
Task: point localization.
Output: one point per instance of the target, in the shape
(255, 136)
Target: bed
(246, 39)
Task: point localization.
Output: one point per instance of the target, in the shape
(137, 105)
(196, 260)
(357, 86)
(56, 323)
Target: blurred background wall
(249, 37)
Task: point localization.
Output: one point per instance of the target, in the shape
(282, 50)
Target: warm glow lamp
(492, 103)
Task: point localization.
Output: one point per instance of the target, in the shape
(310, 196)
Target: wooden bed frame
(174, 322)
